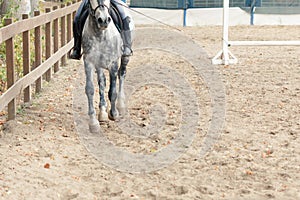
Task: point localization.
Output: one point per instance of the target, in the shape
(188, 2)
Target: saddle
(115, 15)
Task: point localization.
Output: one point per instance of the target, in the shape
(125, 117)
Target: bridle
(93, 11)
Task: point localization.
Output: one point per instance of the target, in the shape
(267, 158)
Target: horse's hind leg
(94, 125)
(112, 93)
(103, 116)
(121, 96)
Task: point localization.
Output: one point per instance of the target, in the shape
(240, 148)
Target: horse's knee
(89, 90)
(122, 69)
(122, 72)
(124, 60)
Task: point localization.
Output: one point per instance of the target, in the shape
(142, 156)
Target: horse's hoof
(94, 128)
(121, 107)
(122, 111)
(103, 117)
(113, 116)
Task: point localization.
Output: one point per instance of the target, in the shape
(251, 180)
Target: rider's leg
(79, 20)
(127, 27)
(127, 37)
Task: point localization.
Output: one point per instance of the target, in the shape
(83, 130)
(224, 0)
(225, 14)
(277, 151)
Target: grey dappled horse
(102, 49)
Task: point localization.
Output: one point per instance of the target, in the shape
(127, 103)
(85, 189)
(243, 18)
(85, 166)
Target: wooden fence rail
(54, 35)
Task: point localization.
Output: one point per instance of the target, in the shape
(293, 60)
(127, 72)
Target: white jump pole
(225, 56)
(264, 43)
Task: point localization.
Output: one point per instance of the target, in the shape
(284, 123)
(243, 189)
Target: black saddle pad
(114, 13)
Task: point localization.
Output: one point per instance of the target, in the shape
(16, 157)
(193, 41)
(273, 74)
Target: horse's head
(99, 9)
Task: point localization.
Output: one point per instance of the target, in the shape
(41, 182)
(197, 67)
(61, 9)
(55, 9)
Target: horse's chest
(103, 49)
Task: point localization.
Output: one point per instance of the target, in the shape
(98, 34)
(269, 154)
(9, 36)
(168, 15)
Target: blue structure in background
(165, 4)
(256, 3)
(181, 4)
(185, 6)
(251, 6)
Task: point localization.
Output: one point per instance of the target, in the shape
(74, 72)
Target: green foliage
(2, 79)
(18, 51)
(67, 1)
(13, 9)
(2, 69)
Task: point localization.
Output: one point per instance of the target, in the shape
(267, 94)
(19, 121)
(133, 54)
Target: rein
(147, 16)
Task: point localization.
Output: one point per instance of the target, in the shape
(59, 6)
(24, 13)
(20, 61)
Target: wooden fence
(57, 32)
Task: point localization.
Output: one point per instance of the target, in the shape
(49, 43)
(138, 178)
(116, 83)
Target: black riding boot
(76, 54)
(78, 24)
(127, 37)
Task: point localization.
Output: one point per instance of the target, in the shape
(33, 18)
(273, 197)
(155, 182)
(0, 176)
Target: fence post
(63, 35)
(10, 71)
(69, 25)
(26, 60)
(74, 13)
(48, 45)
(38, 53)
(55, 38)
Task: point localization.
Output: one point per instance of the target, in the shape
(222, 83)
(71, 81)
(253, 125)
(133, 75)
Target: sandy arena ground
(256, 156)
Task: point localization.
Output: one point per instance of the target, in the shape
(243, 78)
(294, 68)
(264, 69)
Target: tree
(15, 8)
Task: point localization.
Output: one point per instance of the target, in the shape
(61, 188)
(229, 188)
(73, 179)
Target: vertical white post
(225, 31)
(224, 56)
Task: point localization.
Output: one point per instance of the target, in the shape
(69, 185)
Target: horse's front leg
(94, 125)
(112, 93)
(121, 96)
(103, 116)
